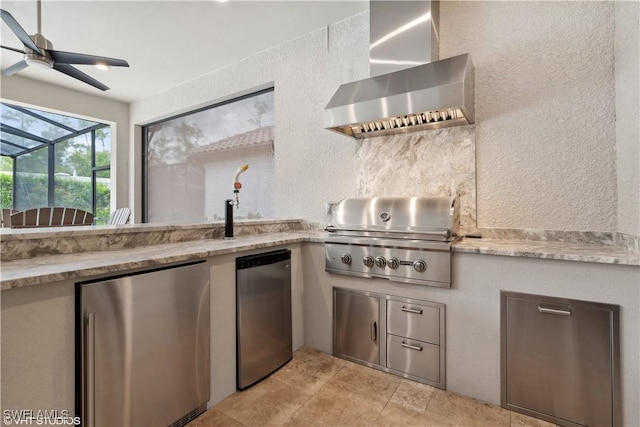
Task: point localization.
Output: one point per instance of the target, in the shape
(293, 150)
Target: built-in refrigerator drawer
(414, 357)
(560, 359)
(416, 321)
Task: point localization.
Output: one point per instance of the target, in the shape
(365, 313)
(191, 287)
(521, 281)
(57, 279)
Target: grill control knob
(381, 262)
(345, 258)
(368, 261)
(420, 266)
(393, 263)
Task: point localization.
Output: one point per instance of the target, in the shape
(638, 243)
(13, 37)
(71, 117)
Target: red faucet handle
(237, 185)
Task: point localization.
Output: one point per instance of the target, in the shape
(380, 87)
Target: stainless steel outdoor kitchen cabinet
(560, 359)
(402, 336)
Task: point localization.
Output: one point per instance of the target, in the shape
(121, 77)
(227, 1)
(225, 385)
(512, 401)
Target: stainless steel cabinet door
(558, 359)
(356, 326)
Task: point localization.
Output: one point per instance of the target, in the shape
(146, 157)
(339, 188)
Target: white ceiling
(165, 42)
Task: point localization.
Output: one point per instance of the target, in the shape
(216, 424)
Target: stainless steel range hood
(402, 96)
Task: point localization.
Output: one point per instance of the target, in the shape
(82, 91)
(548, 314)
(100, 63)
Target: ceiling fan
(38, 52)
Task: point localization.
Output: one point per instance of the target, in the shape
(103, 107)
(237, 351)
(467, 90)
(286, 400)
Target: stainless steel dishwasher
(263, 315)
(142, 347)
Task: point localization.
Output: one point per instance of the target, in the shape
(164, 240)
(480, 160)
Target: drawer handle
(411, 347)
(542, 309)
(412, 310)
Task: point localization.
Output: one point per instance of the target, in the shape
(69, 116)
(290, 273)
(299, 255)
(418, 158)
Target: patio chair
(51, 217)
(119, 216)
(6, 217)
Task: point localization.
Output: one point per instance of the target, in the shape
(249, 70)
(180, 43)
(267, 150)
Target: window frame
(50, 145)
(145, 143)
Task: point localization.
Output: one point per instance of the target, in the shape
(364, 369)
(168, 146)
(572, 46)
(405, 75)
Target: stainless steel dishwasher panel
(145, 342)
(559, 359)
(264, 341)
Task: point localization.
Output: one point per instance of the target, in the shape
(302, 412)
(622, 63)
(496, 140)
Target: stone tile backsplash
(428, 163)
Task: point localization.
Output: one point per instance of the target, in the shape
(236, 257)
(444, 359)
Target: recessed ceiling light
(102, 67)
(222, 1)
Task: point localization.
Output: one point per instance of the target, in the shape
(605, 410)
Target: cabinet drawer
(414, 357)
(415, 321)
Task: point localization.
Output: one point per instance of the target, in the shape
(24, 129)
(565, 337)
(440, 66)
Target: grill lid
(430, 218)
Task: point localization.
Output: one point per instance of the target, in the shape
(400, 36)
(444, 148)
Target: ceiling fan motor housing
(33, 58)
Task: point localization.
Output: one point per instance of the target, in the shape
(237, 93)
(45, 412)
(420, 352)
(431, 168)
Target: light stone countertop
(581, 252)
(11, 234)
(47, 269)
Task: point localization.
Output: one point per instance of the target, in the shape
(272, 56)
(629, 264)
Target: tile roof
(259, 136)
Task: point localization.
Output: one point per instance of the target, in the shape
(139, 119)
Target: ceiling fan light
(103, 67)
(38, 62)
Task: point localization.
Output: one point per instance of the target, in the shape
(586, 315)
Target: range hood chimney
(409, 88)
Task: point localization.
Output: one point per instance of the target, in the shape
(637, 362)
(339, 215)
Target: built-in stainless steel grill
(403, 239)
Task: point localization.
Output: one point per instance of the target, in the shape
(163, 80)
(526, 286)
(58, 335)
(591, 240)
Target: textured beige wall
(312, 165)
(545, 117)
(627, 40)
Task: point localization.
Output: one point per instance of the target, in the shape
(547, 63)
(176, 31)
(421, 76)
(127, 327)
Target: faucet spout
(236, 177)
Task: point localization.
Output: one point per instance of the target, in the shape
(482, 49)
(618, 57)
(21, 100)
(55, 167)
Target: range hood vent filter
(410, 123)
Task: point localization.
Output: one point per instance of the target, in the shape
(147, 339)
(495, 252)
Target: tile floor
(317, 389)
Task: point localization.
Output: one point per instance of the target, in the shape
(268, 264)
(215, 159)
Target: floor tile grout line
(386, 403)
(314, 393)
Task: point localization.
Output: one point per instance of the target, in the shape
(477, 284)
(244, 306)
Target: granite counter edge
(24, 276)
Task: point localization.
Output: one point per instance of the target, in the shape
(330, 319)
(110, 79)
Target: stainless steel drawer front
(415, 321)
(414, 357)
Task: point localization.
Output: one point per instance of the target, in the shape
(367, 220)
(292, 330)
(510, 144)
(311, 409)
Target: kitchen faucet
(229, 203)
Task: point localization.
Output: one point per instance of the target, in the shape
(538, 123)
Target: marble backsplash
(427, 163)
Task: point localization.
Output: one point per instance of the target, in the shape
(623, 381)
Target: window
(51, 159)
(190, 161)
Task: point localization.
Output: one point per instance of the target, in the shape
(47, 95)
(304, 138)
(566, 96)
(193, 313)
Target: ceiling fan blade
(19, 31)
(61, 57)
(15, 68)
(13, 49)
(77, 74)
